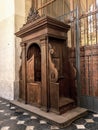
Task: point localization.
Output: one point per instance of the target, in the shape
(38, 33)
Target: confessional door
(34, 75)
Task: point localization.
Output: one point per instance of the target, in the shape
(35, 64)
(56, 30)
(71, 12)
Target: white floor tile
(13, 118)
(95, 115)
(30, 128)
(7, 114)
(80, 126)
(43, 122)
(8, 105)
(1, 111)
(33, 117)
(89, 120)
(3, 103)
(20, 122)
(25, 114)
(54, 128)
(12, 108)
(5, 128)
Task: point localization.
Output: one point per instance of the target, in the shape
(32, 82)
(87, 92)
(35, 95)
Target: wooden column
(45, 74)
(24, 81)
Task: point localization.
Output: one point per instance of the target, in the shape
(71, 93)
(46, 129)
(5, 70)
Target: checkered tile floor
(15, 118)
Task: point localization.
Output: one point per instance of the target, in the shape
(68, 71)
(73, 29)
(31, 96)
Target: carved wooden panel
(34, 93)
(30, 69)
(54, 98)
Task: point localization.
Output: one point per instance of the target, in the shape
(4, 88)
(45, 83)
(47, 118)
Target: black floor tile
(95, 119)
(80, 121)
(5, 119)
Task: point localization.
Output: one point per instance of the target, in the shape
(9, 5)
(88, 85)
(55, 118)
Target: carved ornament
(33, 15)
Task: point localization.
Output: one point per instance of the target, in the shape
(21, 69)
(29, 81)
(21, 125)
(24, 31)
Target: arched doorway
(34, 75)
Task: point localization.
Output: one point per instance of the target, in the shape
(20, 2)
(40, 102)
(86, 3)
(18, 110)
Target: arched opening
(34, 75)
(34, 63)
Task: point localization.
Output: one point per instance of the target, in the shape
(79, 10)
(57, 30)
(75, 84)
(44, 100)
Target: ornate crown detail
(33, 15)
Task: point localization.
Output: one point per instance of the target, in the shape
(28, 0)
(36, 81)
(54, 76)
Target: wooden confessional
(46, 78)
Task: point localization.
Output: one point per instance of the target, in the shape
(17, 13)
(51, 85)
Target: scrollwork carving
(53, 69)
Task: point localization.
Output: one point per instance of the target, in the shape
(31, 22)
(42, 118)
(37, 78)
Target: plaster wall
(7, 49)
(19, 21)
(12, 17)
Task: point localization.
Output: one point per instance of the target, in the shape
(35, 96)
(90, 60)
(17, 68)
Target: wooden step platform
(65, 101)
(61, 121)
(65, 104)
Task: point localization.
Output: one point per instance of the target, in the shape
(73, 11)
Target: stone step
(61, 121)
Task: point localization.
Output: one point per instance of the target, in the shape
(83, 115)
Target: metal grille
(83, 43)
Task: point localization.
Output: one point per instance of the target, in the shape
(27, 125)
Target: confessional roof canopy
(46, 25)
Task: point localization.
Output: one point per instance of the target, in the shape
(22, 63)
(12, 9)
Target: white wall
(7, 49)
(12, 17)
(19, 21)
